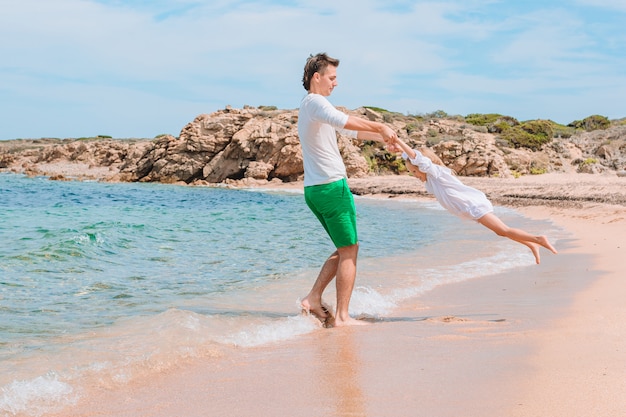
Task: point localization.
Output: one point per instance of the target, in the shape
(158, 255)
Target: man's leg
(346, 275)
(313, 301)
(333, 204)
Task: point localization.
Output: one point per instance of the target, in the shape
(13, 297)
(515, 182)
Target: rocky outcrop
(233, 144)
(255, 145)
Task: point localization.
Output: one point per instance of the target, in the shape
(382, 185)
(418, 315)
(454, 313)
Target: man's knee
(348, 250)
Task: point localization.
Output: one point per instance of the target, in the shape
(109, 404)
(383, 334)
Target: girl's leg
(493, 222)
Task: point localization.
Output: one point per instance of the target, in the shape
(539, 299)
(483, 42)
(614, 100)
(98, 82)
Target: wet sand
(547, 340)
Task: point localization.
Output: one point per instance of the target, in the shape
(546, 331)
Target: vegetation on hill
(540, 140)
(530, 134)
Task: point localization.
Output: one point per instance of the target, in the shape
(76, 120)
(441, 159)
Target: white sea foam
(368, 302)
(36, 396)
(275, 331)
(429, 278)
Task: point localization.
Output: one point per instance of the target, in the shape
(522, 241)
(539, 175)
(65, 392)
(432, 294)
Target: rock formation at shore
(257, 145)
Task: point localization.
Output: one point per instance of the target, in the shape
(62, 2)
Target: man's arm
(376, 137)
(369, 130)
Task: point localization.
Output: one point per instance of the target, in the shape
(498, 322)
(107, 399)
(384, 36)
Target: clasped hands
(391, 140)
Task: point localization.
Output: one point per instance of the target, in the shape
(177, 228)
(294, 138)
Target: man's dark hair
(316, 63)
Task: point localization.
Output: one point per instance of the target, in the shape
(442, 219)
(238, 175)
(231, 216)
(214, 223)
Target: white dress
(456, 197)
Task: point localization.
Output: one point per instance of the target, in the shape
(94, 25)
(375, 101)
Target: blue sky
(140, 68)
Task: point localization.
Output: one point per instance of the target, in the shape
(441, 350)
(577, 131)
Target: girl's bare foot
(543, 241)
(535, 250)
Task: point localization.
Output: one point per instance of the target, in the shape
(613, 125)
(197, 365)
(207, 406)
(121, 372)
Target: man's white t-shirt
(318, 121)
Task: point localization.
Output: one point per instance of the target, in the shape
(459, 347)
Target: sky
(142, 68)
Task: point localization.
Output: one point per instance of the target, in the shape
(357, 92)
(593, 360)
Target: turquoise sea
(101, 284)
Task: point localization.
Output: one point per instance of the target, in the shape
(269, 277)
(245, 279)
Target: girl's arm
(406, 148)
(424, 164)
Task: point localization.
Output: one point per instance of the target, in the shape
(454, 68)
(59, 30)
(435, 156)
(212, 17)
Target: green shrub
(480, 129)
(595, 122)
(562, 131)
(503, 123)
(369, 153)
(412, 127)
(437, 114)
(398, 166)
(372, 164)
(542, 128)
(532, 134)
(380, 161)
(482, 119)
(495, 123)
(499, 127)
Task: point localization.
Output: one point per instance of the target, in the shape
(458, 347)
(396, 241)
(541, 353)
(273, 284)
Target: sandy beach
(546, 341)
(580, 358)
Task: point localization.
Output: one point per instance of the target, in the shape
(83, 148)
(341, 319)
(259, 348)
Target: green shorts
(333, 205)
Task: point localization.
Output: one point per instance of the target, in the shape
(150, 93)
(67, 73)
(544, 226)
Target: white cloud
(191, 57)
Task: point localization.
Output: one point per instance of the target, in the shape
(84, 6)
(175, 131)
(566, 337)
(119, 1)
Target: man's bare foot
(320, 311)
(349, 322)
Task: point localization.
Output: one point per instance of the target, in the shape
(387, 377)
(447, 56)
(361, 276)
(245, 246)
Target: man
(325, 183)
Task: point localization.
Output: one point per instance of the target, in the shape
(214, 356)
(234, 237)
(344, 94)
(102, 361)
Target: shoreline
(546, 344)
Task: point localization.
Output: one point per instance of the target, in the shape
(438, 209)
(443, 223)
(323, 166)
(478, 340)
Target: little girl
(460, 199)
